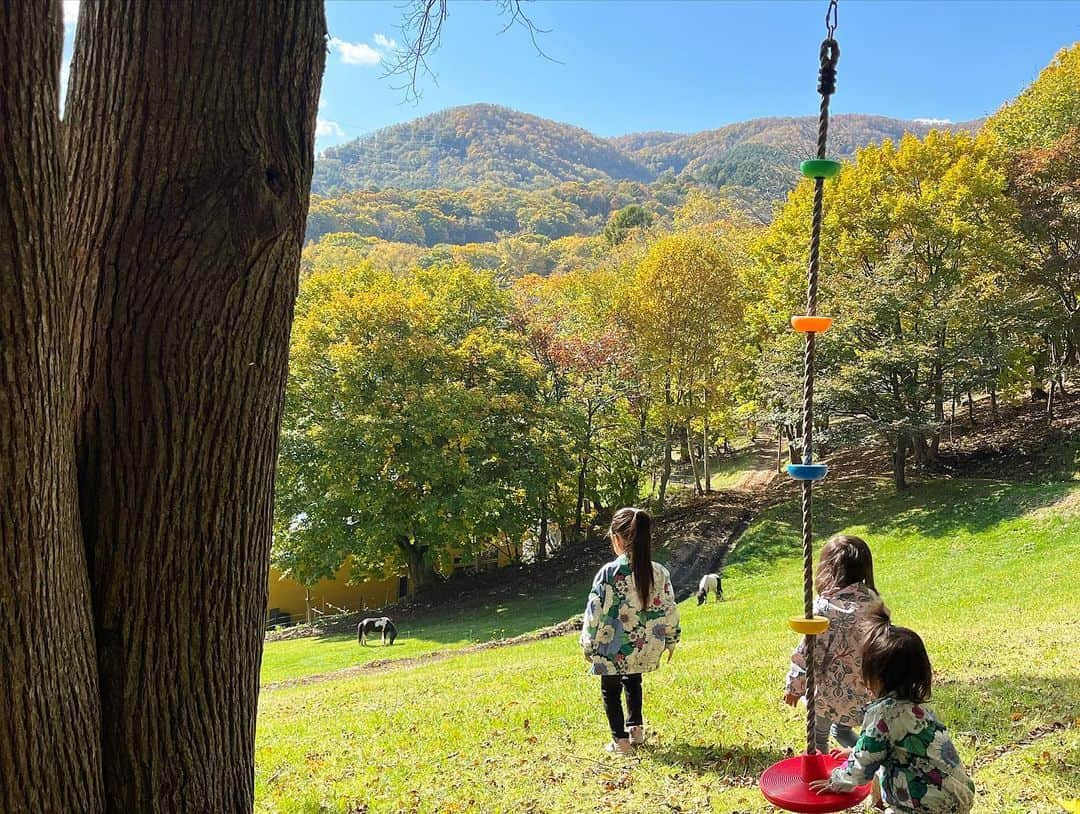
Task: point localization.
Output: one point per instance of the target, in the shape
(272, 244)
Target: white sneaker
(637, 735)
(620, 747)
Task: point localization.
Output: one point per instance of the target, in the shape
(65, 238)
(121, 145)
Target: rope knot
(830, 55)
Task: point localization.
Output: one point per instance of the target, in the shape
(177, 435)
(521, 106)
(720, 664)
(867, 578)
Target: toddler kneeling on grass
(902, 745)
(630, 620)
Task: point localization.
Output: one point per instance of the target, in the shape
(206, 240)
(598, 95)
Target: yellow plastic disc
(809, 627)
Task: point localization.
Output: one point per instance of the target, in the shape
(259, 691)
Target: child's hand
(791, 699)
(820, 786)
(840, 754)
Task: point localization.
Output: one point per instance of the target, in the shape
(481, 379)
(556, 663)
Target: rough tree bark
(900, 460)
(49, 756)
(189, 146)
(542, 536)
(705, 454)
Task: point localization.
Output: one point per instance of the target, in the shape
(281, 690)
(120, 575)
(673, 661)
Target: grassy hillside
(983, 569)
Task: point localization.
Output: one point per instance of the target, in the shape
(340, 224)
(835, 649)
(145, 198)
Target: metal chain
(830, 54)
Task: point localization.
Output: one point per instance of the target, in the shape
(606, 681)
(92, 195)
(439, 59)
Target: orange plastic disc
(808, 325)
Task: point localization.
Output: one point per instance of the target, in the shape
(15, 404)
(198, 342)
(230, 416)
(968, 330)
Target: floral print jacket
(618, 635)
(839, 693)
(917, 763)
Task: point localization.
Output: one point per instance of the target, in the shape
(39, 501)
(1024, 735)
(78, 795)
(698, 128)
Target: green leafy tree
(684, 314)
(624, 221)
(918, 239)
(408, 433)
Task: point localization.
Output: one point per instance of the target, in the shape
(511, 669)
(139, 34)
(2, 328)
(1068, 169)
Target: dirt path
(571, 625)
(699, 535)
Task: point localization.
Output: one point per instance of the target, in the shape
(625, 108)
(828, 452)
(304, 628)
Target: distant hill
(478, 144)
(487, 144)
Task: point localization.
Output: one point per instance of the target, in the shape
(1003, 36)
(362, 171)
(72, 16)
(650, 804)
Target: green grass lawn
(297, 658)
(985, 571)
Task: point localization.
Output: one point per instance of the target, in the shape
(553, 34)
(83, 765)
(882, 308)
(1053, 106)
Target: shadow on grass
(496, 620)
(735, 761)
(1005, 710)
(934, 509)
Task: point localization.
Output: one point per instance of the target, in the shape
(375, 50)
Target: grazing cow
(709, 582)
(371, 624)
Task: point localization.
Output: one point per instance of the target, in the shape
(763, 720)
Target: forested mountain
(467, 146)
(487, 144)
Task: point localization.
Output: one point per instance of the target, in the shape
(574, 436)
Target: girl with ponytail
(630, 620)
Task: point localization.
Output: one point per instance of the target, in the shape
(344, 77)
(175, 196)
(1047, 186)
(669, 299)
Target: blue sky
(687, 65)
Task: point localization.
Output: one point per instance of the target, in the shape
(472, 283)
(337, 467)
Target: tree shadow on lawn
(738, 763)
(997, 714)
(476, 624)
(934, 509)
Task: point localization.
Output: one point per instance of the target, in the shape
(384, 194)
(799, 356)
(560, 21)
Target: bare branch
(421, 34)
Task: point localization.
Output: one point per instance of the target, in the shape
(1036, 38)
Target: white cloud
(322, 104)
(933, 121)
(355, 53)
(325, 127)
(71, 12)
(383, 41)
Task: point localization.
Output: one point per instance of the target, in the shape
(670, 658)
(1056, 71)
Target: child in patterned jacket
(917, 768)
(631, 619)
(846, 591)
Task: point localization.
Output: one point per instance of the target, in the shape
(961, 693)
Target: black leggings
(611, 688)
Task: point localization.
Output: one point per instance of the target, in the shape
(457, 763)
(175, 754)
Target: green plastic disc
(820, 168)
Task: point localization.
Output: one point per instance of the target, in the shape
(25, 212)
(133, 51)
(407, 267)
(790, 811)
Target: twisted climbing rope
(787, 783)
(830, 53)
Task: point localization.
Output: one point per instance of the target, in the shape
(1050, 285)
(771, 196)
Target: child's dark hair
(634, 526)
(844, 561)
(894, 659)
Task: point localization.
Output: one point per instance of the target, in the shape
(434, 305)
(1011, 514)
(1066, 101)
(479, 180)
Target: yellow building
(288, 600)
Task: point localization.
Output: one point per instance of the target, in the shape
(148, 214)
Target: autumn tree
(683, 312)
(1036, 137)
(918, 240)
(624, 221)
(408, 431)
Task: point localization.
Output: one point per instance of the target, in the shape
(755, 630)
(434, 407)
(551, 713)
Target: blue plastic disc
(808, 471)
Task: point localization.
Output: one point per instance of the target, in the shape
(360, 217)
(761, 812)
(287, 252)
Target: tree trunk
(1050, 398)
(900, 461)
(50, 760)
(705, 455)
(794, 451)
(421, 572)
(939, 395)
(542, 538)
(994, 403)
(190, 144)
(971, 408)
(779, 449)
(579, 510)
(665, 473)
(307, 605)
(689, 441)
(684, 443)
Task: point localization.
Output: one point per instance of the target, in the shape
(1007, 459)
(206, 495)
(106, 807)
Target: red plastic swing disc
(787, 785)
